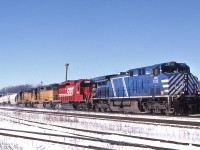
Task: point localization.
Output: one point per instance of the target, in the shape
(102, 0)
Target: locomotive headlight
(185, 77)
(182, 93)
(198, 92)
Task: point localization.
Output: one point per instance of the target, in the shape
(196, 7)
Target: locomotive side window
(157, 71)
(131, 73)
(55, 87)
(94, 85)
(141, 71)
(42, 88)
(151, 72)
(102, 83)
(48, 88)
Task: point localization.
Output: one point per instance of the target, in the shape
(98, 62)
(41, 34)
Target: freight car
(8, 99)
(161, 88)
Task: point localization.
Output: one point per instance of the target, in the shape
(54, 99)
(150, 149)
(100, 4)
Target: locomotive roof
(50, 85)
(167, 63)
(107, 77)
(72, 81)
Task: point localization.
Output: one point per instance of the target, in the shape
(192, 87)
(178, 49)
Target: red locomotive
(78, 93)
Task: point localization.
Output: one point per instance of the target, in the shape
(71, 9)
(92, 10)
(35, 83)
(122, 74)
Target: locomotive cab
(173, 68)
(179, 80)
(170, 69)
(88, 89)
(180, 86)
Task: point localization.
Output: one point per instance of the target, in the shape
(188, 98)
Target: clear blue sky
(96, 37)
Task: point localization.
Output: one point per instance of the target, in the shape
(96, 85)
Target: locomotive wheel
(104, 109)
(9, 103)
(52, 105)
(75, 106)
(27, 104)
(96, 108)
(32, 105)
(57, 106)
(44, 105)
(162, 112)
(80, 106)
(85, 107)
(152, 111)
(89, 106)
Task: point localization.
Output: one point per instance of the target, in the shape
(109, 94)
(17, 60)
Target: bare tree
(15, 89)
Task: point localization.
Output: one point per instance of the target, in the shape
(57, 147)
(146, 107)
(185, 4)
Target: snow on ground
(9, 143)
(117, 131)
(179, 118)
(25, 144)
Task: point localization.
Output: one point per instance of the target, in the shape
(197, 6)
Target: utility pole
(66, 69)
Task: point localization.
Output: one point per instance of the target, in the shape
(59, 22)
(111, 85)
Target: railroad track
(192, 121)
(97, 135)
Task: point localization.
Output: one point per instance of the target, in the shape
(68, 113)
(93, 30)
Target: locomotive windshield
(88, 84)
(175, 68)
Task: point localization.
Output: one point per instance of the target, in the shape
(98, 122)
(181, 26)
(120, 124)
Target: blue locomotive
(161, 88)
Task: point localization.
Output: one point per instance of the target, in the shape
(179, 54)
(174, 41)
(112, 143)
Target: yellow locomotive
(42, 95)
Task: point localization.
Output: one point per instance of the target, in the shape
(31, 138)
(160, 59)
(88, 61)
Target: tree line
(15, 89)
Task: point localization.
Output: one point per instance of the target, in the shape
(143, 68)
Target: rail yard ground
(62, 130)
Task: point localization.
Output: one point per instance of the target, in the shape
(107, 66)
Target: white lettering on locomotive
(70, 91)
(155, 80)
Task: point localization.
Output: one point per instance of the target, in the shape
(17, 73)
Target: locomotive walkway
(111, 131)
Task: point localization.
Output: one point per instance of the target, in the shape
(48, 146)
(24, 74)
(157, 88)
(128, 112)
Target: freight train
(166, 88)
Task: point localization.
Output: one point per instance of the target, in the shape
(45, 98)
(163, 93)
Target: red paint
(76, 90)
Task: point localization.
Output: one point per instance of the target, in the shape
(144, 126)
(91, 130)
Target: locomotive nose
(185, 76)
(180, 84)
(190, 84)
